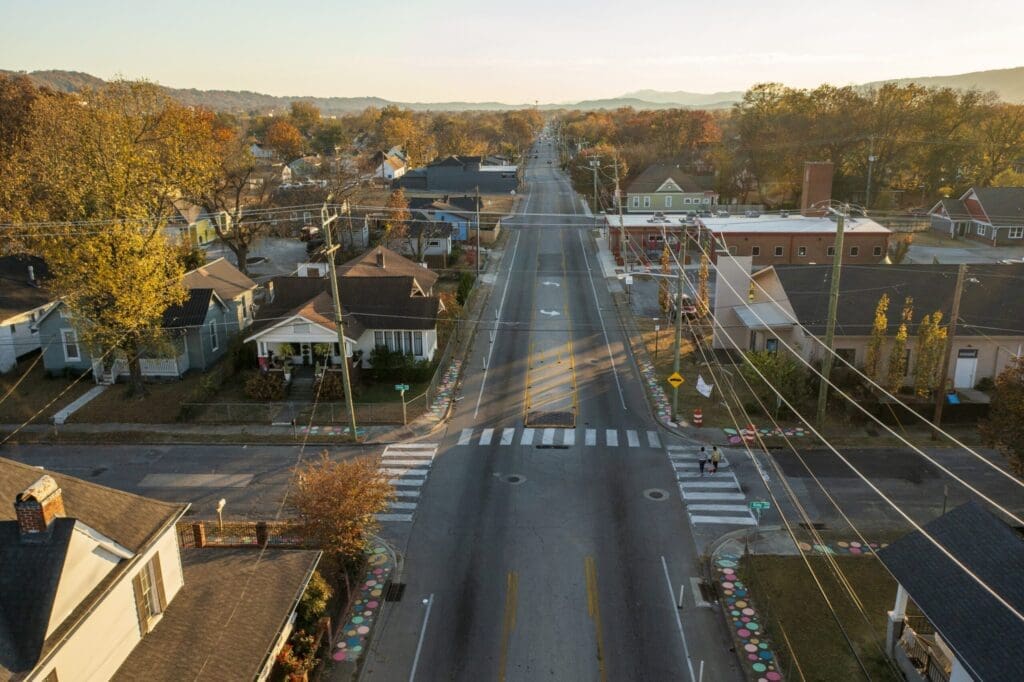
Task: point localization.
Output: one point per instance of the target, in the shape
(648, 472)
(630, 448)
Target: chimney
(32, 275)
(38, 505)
(817, 188)
(380, 258)
(270, 291)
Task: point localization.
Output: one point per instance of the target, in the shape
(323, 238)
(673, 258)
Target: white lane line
(485, 436)
(722, 520)
(738, 508)
(507, 435)
(465, 437)
(501, 306)
(612, 436)
(548, 438)
(417, 482)
(710, 484)
(393, 517)
(568, 437)
(679, 621)
(591, 437)
(527, 437)
(633, 438)
(429, 601)
(407, 493)
(412, 446)
(691, 495)
(405, 471)
(600, 317)
(652, 439)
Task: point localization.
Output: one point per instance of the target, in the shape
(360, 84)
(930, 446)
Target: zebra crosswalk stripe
(407, 466)
(590, 438)
(652, 439)
(527, 438)
(633, 438)
(465, 436)
(507, 435)
(568, 437)
(485, 436)
(548, 438)
(612, 438)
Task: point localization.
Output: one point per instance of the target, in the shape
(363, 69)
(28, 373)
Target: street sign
(401, 387)
(760, 505)
(675, 379)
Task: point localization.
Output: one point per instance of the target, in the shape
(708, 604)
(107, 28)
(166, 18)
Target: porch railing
(926, 657)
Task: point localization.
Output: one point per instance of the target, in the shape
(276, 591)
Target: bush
(266, 386)
(240, 355)
(985, 384)
(207, 387)
(465, 287)
(313, 604)
(394, 366)
(330, 386)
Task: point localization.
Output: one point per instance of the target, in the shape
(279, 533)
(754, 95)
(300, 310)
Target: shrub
(394, 366)
(313, 604)
(985, 384)
(266, 386)
(465, 286)
(330, 386)
(240, 355)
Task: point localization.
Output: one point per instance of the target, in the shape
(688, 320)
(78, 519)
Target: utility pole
(940, 391)
(871, 162)
(326, 229)
(594, 163)
(622, 224)
(830, 329)
(679, 340)
(478, 230)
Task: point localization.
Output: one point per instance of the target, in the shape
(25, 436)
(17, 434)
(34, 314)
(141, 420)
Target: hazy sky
(518, 51)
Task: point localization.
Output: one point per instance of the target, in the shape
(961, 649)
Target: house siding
(681, 201)
(53, 347)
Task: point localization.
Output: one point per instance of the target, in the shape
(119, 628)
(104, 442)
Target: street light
(220, 513)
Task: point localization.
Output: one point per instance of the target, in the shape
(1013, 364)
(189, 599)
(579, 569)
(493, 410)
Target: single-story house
(191, 225)
(992, 215)
(458, 211)
(198, 330)
(956, 630)
(389, 166)
(94, 586)
(463, 174)
(665, 187)
(989, 335)
(428, 242)
(387, 300)
(23, 301)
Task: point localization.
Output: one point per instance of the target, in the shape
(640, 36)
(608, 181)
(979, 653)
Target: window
(906, 363)
(417, 340)
(771, 345)
(686, 200)
(848, 354)
(69, 339)
(778, 251)
(336, 349)
(801, 250)
(755, 251)
(407, 345)
(854, 250)
(378, 339)
(647, 202)
(1015, 233)
(636, 202)
(150, 600)
(830, 251)
(393, 338)
(668, 202)
(877, 251)
(214, 341)
(981, 230)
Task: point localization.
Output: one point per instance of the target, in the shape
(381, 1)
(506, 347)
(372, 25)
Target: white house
(23, 302)
(260, 152)
(390, 168)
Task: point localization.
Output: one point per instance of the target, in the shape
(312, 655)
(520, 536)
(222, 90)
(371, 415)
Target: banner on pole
(703, 387)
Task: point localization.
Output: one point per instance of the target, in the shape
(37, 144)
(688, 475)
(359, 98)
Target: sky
(514, 52)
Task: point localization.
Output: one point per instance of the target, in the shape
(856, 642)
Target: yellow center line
(594, 609)
(509, 623)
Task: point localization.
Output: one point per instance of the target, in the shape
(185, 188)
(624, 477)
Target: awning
(763, 316)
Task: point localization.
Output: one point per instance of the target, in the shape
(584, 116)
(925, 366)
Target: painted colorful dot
(662, 405)
(445, 388)
(734, 437)
(365, 607)
(755, 646)
(330, 430)
(853, 547)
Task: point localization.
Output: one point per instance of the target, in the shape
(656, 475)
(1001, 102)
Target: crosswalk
(407, 466)
(531, 437)
(712, 498)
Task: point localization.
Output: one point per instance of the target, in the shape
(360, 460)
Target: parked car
(309, 232)
(688, 307)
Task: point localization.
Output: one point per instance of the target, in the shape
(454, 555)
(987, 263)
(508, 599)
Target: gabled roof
(388, 303)
(395, 265)
(192, 311)
(17, 295)
(985, 636)
(654, 177)
(305, 297)
(221, 276)
(991, 303)
(432, 229)
(129, 520)
(953, 209)
(1002, 205)
(188, 212)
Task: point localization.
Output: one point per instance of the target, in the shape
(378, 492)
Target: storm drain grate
(394, 591)
(708, 592)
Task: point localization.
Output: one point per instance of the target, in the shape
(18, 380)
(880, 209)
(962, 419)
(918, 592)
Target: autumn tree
(1004, 427)
(876, 344)
(285, 140)
(120, 155)
(897, 370)
(703, 303)
(396, 220)
(931, 344)
(664, 297)
(305, 116)
(334, 502)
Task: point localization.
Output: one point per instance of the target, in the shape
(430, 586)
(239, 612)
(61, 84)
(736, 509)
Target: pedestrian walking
(716, 457)
(702, 459)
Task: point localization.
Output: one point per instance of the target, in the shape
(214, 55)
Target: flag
(703, 387)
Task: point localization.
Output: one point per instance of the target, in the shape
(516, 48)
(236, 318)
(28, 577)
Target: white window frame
(1015, 232)
(636, 202)
(214, 336)
(668, 201)
(647, 202)
(779, 251)
(64, 335)
(981, 230)
(854, 251)
(755, 250)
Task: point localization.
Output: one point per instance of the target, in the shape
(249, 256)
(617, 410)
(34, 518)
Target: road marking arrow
(550, 313)
(551, 284)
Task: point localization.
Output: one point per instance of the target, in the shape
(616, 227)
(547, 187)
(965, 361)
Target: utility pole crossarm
(339, 323)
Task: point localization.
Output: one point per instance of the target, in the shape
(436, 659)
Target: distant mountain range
(1008, 84)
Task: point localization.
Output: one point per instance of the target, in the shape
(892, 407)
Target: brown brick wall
(817, 186)
(870, 247)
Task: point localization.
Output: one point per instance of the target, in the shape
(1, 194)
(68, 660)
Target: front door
(306, 350)
(966, 368)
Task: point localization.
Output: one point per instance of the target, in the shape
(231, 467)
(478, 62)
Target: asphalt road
(537, 553)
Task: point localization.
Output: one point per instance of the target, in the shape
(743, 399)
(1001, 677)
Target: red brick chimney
(37, 506)
(817, 188)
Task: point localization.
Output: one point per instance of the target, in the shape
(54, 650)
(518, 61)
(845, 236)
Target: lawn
(386, 393)
(159, 405)
(35, 392)
(791, 607)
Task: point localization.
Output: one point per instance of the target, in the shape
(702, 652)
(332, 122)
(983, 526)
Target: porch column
(893, 627)
(958, 674)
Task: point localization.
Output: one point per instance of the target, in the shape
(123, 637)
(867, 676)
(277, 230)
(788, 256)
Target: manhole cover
(656, 494)
(515, 479)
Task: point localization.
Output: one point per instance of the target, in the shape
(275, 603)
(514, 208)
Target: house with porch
(945, 626)
(666, 188)
(793, 307)
(428, 242)
(991, 215)
(95, 586)
(386, 299)
(217, 307)
(23, 301)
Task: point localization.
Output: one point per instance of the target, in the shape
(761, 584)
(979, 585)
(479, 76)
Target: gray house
(991, 215)
(199, 330)
(492, 175)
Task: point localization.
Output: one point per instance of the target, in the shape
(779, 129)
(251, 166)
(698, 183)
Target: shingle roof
(991, 303)
(132, 521)
(306, 296)
(1003, 205)
(983, 634)
(655, 175)
(191, 312)
(395, 265)
(16, 294)
(195, 630)
(221, 276)
(955, 209)
(432, 229)
(388, 303)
